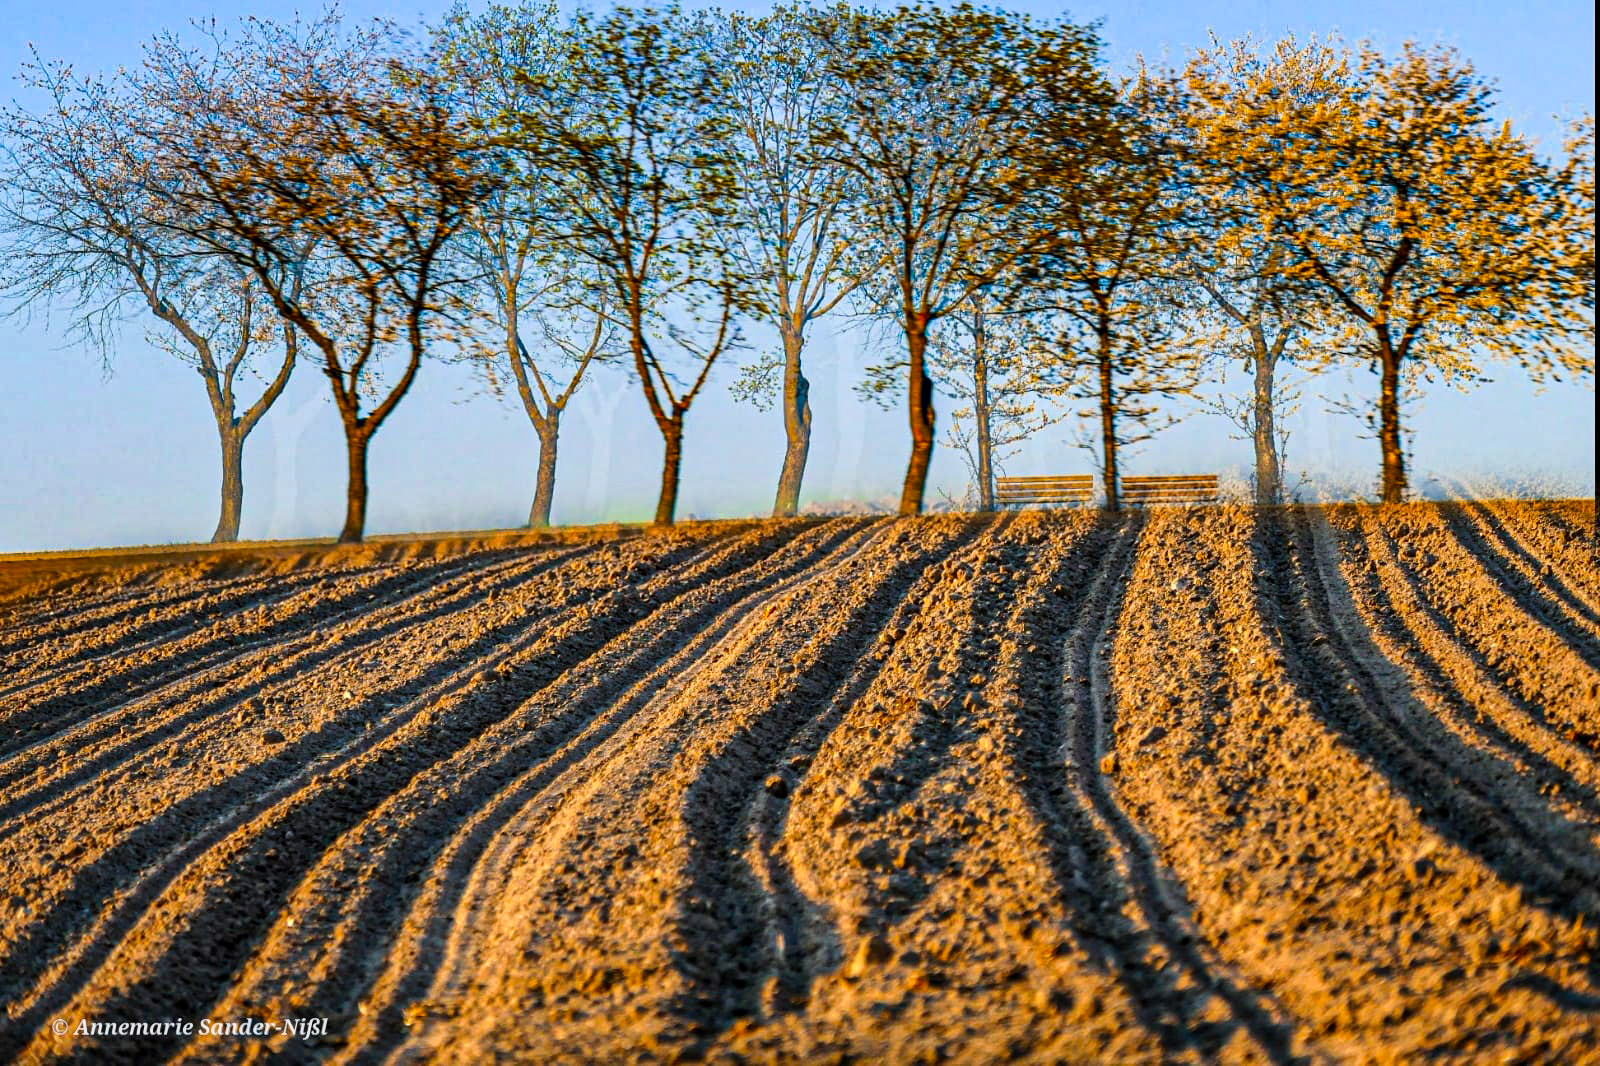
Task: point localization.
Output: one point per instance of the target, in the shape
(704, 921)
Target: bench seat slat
(1131, 482)
(1062, 497)
(1169, 492)
(1072, 479)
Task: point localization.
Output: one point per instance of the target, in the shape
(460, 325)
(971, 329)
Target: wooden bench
(1068, 488)
(1189, 488)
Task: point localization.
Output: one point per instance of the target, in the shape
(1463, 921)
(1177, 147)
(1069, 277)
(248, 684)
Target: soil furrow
(1066, 953)
(936, 727)
(1576, 528)
(1304, 867)
(197, 625)
(1534, 565)
(64, 699)
(1544, 598)
(271, 844)
(1573, 521)
(1173, 997)
(1544, 535)
(581, 637)
(86, 604)
(1526, 658)
(1369, 702)
(72, 701)
(179, 614)
(801, 940)
(1214, 784)
(1572, 554)
(900, 842)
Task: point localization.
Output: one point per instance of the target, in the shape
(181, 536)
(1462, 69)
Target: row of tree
(538, 193)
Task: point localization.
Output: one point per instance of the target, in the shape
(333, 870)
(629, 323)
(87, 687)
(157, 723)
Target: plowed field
(1199, 784)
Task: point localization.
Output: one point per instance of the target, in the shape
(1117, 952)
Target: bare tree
(794, 203)
(308, 134)
(80, 211)
(1242, 291)
(631, 130)
(949, 121)
(1272, 400)
(488, 63)
(1003, 368)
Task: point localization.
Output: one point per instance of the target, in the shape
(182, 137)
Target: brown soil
(1197, 785)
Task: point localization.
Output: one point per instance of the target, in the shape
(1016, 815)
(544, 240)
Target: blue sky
(131, 458)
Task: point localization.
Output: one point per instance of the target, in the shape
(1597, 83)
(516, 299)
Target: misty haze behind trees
(1022, 232)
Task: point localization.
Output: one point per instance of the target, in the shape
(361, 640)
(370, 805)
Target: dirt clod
(873, 951)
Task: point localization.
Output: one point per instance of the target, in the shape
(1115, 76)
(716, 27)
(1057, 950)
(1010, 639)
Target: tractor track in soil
(725, 804)
(801, 943)
(1130, 866)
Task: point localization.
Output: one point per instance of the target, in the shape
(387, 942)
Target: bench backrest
(1183, 488)
(1068, 488)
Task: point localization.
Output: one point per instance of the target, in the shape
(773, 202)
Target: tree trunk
(672, 432)
(355, 513)
(921, 405)
(232, 485)
(796, 425)
(1394, 460)
(1108, 424)
(980, 411)
(1269, 478)
(539, 515)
